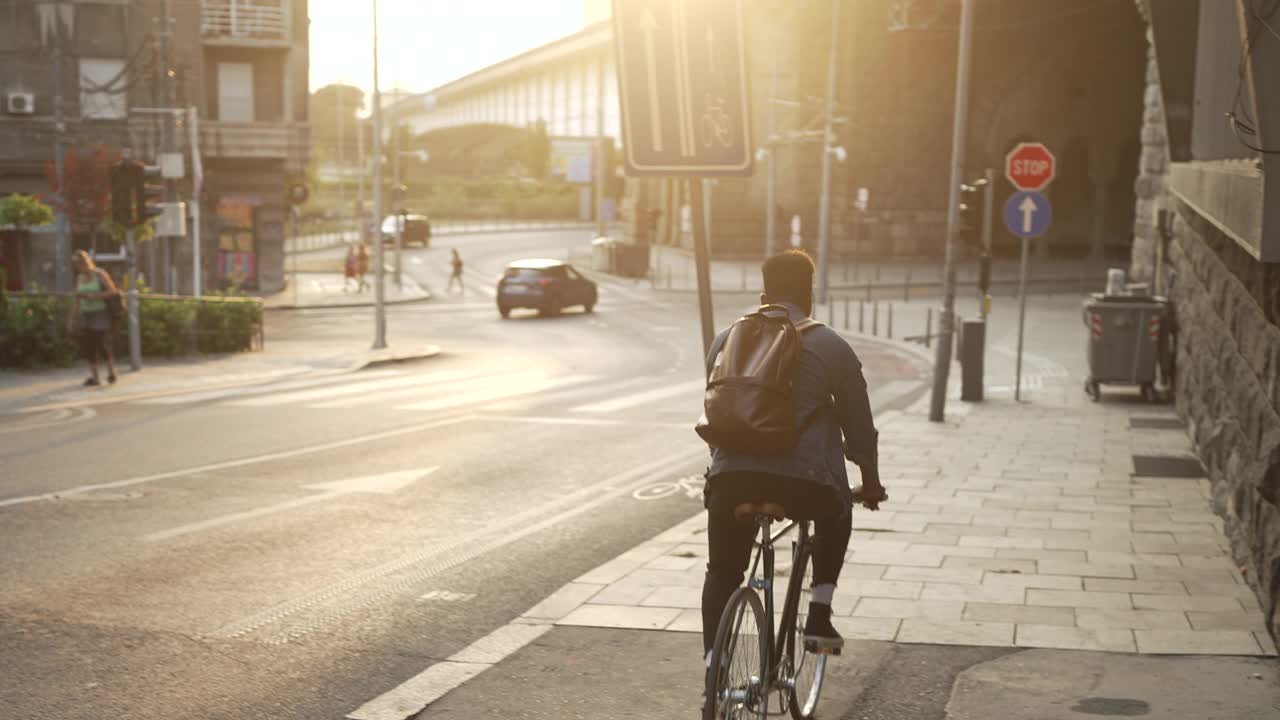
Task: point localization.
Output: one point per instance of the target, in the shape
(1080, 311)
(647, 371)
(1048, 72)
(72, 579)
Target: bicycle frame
(764, 584)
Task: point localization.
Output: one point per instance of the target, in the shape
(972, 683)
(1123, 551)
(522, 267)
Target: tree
(335, 121)
(24, 211)
(535, 152)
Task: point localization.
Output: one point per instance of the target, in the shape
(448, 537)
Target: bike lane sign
(682, 77)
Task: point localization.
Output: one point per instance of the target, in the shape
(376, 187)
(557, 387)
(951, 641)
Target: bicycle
(745, 676)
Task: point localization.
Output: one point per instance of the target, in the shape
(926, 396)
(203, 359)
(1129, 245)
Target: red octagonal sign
(1029, 166)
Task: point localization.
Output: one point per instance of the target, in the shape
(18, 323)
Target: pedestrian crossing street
(483, 389)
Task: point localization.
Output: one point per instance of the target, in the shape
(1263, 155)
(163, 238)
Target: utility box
(972, 346)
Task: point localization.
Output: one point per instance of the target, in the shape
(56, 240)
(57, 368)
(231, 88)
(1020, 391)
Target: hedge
(34, 329)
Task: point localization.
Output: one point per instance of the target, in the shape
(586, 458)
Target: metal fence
(328, 235)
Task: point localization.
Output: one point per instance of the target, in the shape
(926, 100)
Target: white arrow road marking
(648, 26)
(1028, 208)
(384, 484)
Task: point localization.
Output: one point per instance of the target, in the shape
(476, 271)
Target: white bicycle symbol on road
(691, 485)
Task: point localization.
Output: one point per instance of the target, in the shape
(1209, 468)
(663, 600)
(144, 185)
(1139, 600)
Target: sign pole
(379, 284)
(702, 261)
(1022, 317)
(135, 332)
(824, 206)
(946, 318)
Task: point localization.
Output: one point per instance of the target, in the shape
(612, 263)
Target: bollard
(868, 291)
(875, 318)
(744, 277)
(889, 328)
(906, 287)
(831, 313)
(877, 272)
(846, 312)
(928, 326)
(862, 315)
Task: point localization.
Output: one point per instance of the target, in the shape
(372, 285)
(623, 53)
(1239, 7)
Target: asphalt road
(293, 550)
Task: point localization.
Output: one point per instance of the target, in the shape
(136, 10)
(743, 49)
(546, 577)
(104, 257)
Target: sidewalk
(333, 290)
(1074, 541)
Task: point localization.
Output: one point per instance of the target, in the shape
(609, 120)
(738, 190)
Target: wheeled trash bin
(1125, 341)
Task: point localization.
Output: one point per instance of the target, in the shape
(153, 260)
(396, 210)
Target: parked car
(417, 229)
(545, 285)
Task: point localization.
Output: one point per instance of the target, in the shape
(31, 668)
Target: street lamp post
(379, 289)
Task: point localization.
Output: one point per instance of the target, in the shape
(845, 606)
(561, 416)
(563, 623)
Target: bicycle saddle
(749, 510)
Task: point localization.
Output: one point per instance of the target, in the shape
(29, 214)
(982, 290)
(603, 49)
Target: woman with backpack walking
(91, 314)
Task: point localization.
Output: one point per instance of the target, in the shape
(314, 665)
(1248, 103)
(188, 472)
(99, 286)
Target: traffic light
(126, 184)
(150, 194)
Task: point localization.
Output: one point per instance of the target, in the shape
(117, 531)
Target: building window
(235, 92)
(102, 89)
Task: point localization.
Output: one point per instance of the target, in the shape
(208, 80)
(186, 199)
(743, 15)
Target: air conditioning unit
(21, 103)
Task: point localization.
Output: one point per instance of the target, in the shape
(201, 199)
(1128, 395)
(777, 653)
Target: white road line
(381, 484)
(495, 393)
(401, 395)
(213, 467)
(573, 393)
(247, 390)
(629, 401)
(581, 421)
(355, 388)
(65, 416)
(431, 684)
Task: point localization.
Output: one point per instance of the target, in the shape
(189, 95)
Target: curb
(338, 306)
(393, 356)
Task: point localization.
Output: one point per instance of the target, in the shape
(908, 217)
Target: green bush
(34, 332)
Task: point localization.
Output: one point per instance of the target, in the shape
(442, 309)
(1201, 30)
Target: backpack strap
(807, 324)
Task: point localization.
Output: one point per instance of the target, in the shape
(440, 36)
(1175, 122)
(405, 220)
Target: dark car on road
(417, 229)
(547, 286)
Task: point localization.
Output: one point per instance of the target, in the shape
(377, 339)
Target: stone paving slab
(1010, 525)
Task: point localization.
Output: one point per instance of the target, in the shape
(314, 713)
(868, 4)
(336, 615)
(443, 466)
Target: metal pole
(169, 123)
(702, 259)
(135, 331)
(946, 318)
(379, 291)
(988, 207)
(294, 255)
(62, 243)
(1022, 316)
(601, 173)
(197, 190)
(395, 182)
(771, 195)
(342, 165)
(824, 209)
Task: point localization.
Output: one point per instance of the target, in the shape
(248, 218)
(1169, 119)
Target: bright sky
(426, 43)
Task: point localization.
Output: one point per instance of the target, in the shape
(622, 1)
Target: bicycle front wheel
(808, 669)
(737, 681)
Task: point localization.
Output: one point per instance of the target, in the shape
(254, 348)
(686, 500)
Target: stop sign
(1029, 166)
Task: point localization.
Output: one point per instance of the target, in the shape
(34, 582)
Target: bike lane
(598, 631)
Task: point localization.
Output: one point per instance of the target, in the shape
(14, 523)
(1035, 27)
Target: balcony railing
(288, 142)
(244, 20)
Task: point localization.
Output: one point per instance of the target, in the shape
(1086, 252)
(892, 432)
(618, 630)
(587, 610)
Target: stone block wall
(1228, 388)
(1153, 169)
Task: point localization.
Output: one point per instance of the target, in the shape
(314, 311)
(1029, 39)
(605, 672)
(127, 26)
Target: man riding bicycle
(806, 474)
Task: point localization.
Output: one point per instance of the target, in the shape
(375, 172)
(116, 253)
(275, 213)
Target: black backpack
(749, 406)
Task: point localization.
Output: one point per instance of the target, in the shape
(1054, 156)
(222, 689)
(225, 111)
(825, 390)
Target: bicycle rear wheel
(808, 669)
(737, 690)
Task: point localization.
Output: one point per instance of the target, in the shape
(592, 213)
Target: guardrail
(333, 235)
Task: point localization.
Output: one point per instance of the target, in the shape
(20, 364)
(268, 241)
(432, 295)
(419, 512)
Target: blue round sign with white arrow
(1027, 214)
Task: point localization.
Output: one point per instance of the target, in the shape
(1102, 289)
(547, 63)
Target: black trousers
(730, 542)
